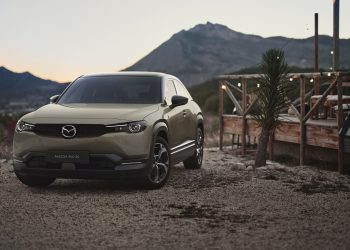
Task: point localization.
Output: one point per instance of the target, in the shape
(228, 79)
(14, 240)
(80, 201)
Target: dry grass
(211, 132)
(5, 149)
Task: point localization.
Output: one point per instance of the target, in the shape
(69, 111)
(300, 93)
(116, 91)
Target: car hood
(90, 113)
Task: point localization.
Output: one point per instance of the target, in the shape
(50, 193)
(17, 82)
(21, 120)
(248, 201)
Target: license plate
(74, 157)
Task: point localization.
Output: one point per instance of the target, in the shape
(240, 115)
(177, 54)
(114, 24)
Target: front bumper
(100, 166)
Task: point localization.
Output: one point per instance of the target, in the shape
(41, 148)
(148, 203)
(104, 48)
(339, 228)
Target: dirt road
(222, 206)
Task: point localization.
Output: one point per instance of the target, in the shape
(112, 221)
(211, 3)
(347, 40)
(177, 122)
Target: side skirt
(182, 151)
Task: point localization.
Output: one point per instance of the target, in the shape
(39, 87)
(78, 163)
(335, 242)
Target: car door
(189, 118)
(174, 116)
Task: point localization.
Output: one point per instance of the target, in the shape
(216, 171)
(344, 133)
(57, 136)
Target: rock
(238, 165)
(250, 168)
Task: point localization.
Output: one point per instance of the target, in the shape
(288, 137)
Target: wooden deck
(293, 131)
(320, 133)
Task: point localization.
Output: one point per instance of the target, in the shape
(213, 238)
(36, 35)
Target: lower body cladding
(182, 151)
(78, 164)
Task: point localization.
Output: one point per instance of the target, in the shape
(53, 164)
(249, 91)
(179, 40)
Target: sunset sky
(63, 39)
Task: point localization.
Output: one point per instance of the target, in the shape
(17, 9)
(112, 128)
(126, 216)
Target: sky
(63, 39)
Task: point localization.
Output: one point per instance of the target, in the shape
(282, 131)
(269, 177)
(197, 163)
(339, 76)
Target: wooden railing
(243, 107)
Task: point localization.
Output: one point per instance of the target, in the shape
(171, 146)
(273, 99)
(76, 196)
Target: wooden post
(221, 112)
(340, 125)
(316, 44)
(317, 85)
(335, 35)
(302, 122)
(271, 139)
(244, 120)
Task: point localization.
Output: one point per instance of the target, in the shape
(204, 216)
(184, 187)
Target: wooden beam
(296, 112)
(302, 122)
(323, 75)
(221, 112)
(233, 99)
(340, 126)
(233, 86)
(321, 100)
(250, 107)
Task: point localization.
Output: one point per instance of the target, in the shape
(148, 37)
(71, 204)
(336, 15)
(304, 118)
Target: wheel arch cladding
(161, 129)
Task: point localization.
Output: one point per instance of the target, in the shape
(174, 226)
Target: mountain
(26, 88)
(208, 50)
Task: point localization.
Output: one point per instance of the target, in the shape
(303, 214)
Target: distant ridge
(207, 50)
(25, 87)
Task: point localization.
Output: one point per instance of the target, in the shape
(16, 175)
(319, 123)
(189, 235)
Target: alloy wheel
(160, 166)
(199, 146)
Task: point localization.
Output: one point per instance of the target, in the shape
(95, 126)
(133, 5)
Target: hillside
(207, 50)
(26, 88)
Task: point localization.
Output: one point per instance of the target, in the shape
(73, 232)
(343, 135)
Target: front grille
(40, 162)
(83, 130)
(96, 163)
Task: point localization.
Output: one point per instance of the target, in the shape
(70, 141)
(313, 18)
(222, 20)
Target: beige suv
(111, 126)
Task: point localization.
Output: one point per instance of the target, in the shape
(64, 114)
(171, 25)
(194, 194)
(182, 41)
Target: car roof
(132, 73)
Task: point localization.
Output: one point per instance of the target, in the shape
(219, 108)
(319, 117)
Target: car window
(169, 91)
(114, 89)
(181, 90)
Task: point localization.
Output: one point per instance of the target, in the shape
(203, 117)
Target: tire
(159, 167)
(35, 181)
(196, 160)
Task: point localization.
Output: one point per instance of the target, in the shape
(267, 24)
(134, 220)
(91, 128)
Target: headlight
(136, 127)
(132, 127)
(24, 126)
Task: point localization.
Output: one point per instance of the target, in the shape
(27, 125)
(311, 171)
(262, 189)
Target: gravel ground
(224, 205)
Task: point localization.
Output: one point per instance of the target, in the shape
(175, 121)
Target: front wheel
(35, 181)
(159, 168)
(195, 161)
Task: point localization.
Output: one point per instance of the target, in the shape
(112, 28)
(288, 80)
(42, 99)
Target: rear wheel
(159, 169)
(35, 181)
(195, 161)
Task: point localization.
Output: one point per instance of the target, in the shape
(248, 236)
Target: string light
(311, 80)
(332, 52)
(329, 74)
(223, 86)
(239, 84)
(258, 85)
(291, 79)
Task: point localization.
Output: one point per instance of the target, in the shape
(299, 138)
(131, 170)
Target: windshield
(114, 89)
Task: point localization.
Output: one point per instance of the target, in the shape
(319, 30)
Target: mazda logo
(68, 131)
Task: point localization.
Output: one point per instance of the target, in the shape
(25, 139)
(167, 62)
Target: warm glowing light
(291, 79)
(332, 52)
(258, 85)
(223, 86)
(239, 84)
(311, 80)
(329, 74)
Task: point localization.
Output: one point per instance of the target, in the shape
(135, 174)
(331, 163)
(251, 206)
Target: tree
(272, 98)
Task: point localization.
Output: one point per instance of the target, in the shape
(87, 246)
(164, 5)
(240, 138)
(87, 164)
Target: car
(111, 126)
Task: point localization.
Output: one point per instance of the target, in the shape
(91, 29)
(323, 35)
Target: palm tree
(272, 96)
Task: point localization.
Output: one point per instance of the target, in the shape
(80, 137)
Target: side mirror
(178, 100)
(54, 99)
